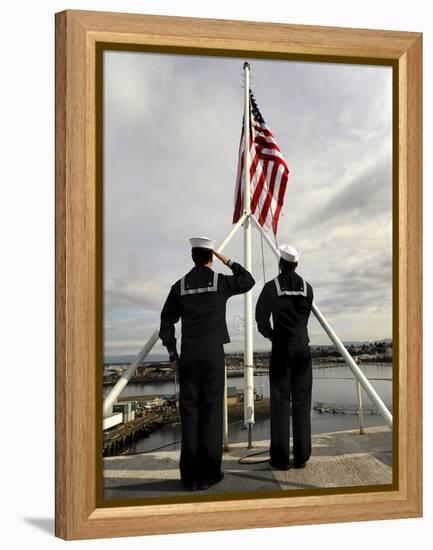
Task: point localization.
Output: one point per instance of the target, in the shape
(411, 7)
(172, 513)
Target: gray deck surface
(339, 459)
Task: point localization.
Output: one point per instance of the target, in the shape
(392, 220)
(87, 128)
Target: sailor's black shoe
(190, 486)
(279, 466)
(202, 485)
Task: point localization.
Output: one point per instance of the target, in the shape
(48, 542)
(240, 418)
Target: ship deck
(339, 459)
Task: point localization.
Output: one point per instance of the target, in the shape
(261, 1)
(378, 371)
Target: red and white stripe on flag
(268, 173)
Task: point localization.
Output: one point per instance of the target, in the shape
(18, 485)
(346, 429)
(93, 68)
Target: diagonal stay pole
(357, 372)
(124, 379)
(232, 232)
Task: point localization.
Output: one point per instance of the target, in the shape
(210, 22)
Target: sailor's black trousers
(201, 394)
(290, 376)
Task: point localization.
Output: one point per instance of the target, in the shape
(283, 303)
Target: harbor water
(331, 384)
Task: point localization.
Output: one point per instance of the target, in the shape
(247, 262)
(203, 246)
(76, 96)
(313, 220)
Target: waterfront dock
(346, 408)
(339, 459)
(140, 427)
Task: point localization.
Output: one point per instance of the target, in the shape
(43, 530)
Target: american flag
(268, 173)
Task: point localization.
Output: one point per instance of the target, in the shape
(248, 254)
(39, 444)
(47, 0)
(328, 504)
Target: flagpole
(248, 297)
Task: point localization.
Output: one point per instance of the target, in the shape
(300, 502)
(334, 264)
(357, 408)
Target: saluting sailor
(199, 300)
(288, 298)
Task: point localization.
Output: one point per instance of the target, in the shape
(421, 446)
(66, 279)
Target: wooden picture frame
(80, 35)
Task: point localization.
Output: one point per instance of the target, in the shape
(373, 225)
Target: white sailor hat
(202, 242)
(289, 253)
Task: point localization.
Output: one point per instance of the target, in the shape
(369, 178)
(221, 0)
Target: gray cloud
(368, 193)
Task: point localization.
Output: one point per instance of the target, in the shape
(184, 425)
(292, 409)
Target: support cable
(152, 450)
(263, 259)
(242, 458)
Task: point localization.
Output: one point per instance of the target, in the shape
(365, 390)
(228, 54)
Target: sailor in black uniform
(288, 298)
(199, 300)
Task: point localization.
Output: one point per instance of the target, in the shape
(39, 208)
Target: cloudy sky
(171, 134)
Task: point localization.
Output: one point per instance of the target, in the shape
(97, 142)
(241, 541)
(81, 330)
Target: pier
(334, 408)
(339, 459)
(118, 438)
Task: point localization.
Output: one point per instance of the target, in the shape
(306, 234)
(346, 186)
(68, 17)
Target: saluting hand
(221, 257)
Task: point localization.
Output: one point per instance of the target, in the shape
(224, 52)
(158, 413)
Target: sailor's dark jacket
(199, 300)
(288, 299)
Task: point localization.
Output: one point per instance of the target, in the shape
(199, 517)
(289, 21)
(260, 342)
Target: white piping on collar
(212, 288)
(281, 292)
